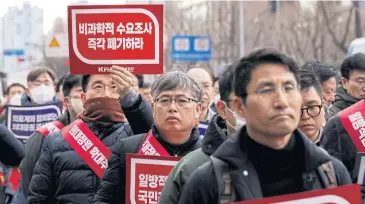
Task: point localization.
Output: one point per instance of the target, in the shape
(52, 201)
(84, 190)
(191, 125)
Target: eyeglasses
(99, 88)
(270, 92)
(182, 102)
(312, 111)
(37, 83)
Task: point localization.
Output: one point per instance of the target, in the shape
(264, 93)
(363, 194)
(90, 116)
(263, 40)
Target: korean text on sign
(358, 123)
(125, 37)
(89, 147)
(148, 184)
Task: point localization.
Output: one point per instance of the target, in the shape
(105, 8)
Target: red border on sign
(158, 160)
(82, 65)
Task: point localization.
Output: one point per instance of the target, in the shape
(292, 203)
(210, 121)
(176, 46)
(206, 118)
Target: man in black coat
(176, 111)
(61, 175)
(268, 156)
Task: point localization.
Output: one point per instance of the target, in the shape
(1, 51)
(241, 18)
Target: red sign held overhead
(130, 36)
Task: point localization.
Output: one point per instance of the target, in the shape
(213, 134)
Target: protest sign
(146, 176)
(23, 120)
(130, 36)
(349, 194)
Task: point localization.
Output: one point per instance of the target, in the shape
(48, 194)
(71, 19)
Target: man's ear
(199, 108)
(221, 109)
(239, 106)
(153, 109)
(83, 97)
(28, 92)
(344, 82)
(67, 102)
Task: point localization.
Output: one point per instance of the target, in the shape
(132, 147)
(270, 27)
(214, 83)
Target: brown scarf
(105, 111)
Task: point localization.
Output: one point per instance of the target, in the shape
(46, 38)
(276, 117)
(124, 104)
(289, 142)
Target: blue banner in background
(22, 121)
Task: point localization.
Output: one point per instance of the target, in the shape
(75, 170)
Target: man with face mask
(13, 96)
(72, 91)
(222, 125)
(101, 124)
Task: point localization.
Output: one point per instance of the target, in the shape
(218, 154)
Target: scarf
(105, 111)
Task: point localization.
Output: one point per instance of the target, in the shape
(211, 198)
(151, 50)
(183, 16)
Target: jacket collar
(230, 151)
(215, 135)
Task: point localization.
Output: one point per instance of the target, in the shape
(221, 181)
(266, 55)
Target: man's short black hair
(59, 83)
(84, 81)
(35, 73)
(140, 78)
(226, 83)
(14, 85)
(309, 79)
(352, 63)
(70, 82)
(244, 67)
(146, 85)
(323, 71)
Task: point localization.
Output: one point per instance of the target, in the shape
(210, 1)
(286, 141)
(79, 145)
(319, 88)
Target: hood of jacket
(173, 149)
(343, 100)
(215, 135)
(232, 153)
(26, 100)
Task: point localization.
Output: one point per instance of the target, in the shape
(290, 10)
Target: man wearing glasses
(74, 159)
(176, 110)
(312, 112)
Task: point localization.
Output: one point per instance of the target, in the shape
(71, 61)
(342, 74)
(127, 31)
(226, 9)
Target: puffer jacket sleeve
(42, 187)
(11, 149)
(110, 187)
(139, 116)
(32, 152)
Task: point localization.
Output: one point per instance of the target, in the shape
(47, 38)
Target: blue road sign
(191, 48)
(13, 52)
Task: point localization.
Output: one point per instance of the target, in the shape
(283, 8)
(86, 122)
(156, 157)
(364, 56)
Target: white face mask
(77, 105)
(16, 100)
(42, 94)
(240, 122)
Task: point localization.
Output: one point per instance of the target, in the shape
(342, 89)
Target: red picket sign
(146, 176)
(130, 36)
(353, 121)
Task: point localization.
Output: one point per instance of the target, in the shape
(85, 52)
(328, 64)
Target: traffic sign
(57, 45)
(191, 48)
(130, 36)
(13, 52)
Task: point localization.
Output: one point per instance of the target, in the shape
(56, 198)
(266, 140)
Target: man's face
(273, 101)
(355, 85)
(42, 90)
(100, 85)
(75, 93)
(204, 79)
(216, 88)
(44, 78)
(146, 93)
(329, 90)
(180, 115)
(312, 117)
(15, 90)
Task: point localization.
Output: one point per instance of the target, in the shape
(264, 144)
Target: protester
(327, 77)
(145, 90)
(205, 78)
(176, 111)
(72, 90)
(352, 87)
(59, 88)
(14, 93)
(312, 112)
(221, 126)
(268, 156)
(62, 175)
(41, 89)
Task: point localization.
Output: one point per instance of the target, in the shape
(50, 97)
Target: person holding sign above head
(73, 160)
(268, 156)
(224, 124)
(72, 90)
(176, 110)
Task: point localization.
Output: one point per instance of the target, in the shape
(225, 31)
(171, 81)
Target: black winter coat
(61, 176)
(112, 185)
(202, 185)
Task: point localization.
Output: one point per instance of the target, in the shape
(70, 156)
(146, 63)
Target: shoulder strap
(221, 169)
